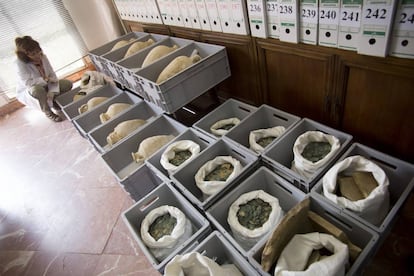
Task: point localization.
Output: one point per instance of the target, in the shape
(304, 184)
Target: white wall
(96, 21)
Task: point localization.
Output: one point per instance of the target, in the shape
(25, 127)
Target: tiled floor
(60, 208)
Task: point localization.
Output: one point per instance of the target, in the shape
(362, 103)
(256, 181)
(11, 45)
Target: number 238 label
(377, 14)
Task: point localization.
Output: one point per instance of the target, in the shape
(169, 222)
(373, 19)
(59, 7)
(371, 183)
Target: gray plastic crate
(400, 175)
(261, 179)
(184, 177)
(190, 83)
(71, 110)
(90, 120)
(143, 110)
(145, 181)
(359, 234)
(217, 248)
(112, 58)
(97, 53)
(67, 97)
(279, 156)
(165, 194)
(229, 109)
(190, 134)
(119, 159)
(264, 117)
(129, 66)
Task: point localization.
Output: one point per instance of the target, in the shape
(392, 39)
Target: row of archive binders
(370, 27)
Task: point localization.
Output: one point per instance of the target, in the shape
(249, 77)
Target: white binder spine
(328, 23)
(239, 19)
(185, 13)
(192, 10)
(376, 27)
(289, 20)
(402, 41)
(309, 21)
(203, 15)
(273, 24)
(224, 10)
(257, 17)
(349, 24)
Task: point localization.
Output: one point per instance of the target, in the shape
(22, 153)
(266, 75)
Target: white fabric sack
(165, 245)
(220, 132)
(258, 134)
(373, 208)
(305, 167)
(195, 264)
(169, 153)
(212, 187)
(91, 79)
(295, 255)
(150, 145)
(248, 238)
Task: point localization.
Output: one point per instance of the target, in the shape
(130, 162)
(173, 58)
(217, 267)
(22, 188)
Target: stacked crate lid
(113, 58)
(262, 119)
(97, 54)
(279, 156)
(360, 238)
(142, 110)
(190, 134)
(165, 195)
(231, 108)
(185, 181)
(128, 67)
(71, 110)
(90, 120)
(119, 158)
(216, 247)
(261, 179)
(401, 182)
(180, 89)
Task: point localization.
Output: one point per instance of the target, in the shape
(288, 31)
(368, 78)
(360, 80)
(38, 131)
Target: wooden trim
(10, 107)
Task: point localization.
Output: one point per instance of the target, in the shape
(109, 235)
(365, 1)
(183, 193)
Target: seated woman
(36, 79)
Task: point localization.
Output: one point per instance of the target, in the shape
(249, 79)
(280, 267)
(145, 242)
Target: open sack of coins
(304, 243)
(252, 216)
(177, 154)
(221, 127)
(360, 185)
(196, 264)
(164, 229)
(215, 174)
(259, 139)
(312, 150)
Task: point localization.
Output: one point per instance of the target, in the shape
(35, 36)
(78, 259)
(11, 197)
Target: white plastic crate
(143, 110)
(97, 53)
(264, 117)
(260, 179)
(190, 83)
(184, 177)
(400, 175)
(129, 66)
(279, 156)
(71, 110)
(90, 120)
(119, 159)
(217, 248)
(190, 134)
(145, 181)
(112, 58)
(229, 109)
(165, 195)
(359, 234)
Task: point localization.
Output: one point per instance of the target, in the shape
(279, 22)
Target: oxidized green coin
(227, 127)
(315, 151)
(180, 157)
(254, 213)
(263, 142)
(161, 226)
(220, 173)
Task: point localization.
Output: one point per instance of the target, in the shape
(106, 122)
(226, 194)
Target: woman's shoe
(52, 116)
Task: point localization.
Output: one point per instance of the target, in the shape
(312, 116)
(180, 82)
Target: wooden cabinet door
(378, 105)
(296, 79)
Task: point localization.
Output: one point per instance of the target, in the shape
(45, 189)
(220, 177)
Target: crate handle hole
(283, 187)
(245, 109)
(238, 153)
(376, 160)
(280, 117)
(148, 203)
(204, 140)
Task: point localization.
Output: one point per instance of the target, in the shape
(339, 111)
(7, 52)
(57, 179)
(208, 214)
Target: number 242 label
(377, 15)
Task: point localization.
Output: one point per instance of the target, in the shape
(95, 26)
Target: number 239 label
(377, 14)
